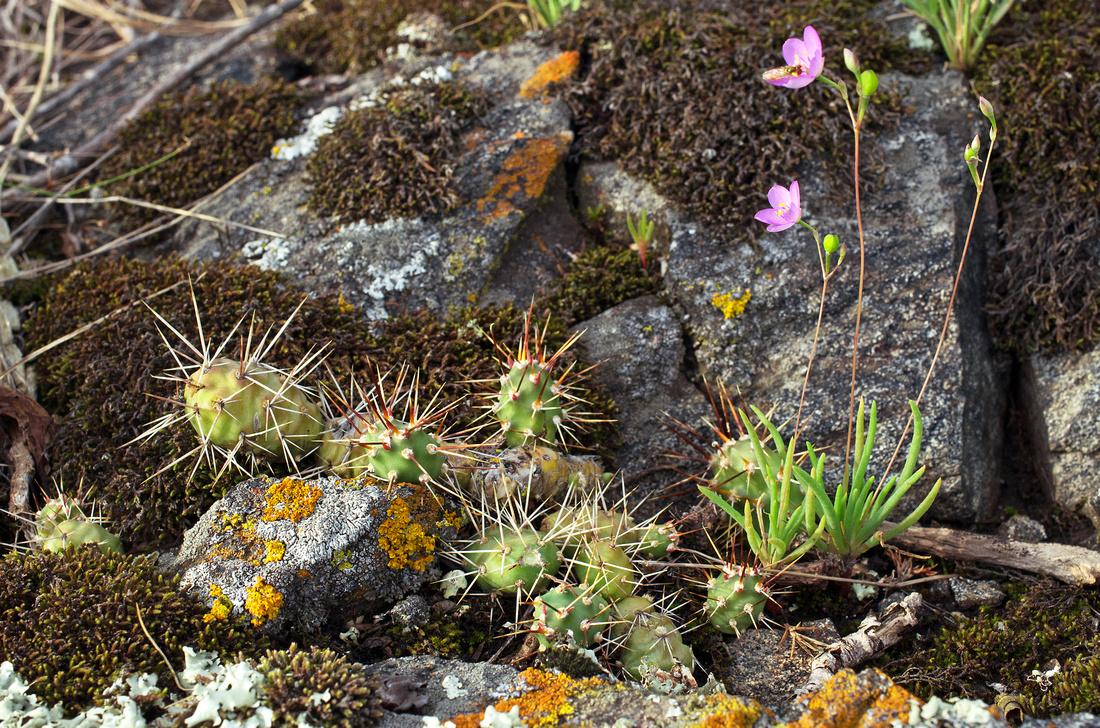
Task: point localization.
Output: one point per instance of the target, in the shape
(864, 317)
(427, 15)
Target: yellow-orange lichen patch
(219, 610)
(275, 551)
(847, 700)
(262, 601)
(291, 499)
(728, 711)
(553, 70)
(729, 304)
(523, 175)
(402, 535)
(544, 706)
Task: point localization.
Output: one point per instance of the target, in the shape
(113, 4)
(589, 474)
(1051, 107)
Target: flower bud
(831, 243)
(972, 148)
(868, 82)
(987, 109)
(851, 62)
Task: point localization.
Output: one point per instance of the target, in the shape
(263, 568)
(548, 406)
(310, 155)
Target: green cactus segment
(574, 527)
(734, 471)
(655, 540)
(654, 644)
(735, 599)
(563, 610)
(529, 406)
(606, 569)
(514, 561)
(229, 403)
(402, 453)
(75, 532)
(626, 611)
(56, 510)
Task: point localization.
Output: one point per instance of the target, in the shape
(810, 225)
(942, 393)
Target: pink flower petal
(779, 196)
(812, 41)
(792, 48)
(796, 199)
(769, 217)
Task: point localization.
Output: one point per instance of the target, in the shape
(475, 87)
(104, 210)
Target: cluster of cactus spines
(654, 644)
(566, 611)
(534, 404)
(735, 598)
(242, 406)
(63, 523)
(517, 561)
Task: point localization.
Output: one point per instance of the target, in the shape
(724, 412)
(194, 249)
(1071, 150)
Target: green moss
(678, 98)
(351, 36)
(102, 388)
(1039, 623)
(292, 677)
(1041, 69)
(600, 278)
(69, 625)
(224, 129)
(395, 160)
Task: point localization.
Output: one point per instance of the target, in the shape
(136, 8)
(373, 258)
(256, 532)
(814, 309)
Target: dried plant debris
(69, 625)
(1041, 69)
(101, 386)
(217, 133)
(352, 36)
(395, 159)
(678, 100)
(1042, 644)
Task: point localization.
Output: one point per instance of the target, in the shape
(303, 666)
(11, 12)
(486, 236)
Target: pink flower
(804, 58)
(786, 208)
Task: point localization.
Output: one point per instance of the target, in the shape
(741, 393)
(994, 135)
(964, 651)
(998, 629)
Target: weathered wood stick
(1071, 564)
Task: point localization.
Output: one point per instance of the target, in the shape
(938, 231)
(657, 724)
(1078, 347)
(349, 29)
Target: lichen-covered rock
(291, 552)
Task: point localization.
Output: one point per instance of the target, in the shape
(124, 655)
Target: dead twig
(69, 163)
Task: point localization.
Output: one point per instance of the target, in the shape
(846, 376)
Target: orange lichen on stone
(553, 70)
(290, 499)
(219, 610)
(275, 551)
(523, 175)
(728, 711)
(262, 601)
(847, 700)
(402, 535)
(544, 706)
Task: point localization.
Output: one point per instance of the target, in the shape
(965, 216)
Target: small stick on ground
(69, 163)
(872, 637)
(1071, 564)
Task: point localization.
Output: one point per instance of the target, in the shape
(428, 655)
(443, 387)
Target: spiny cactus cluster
(62, 523)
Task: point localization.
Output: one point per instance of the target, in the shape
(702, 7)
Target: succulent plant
(511, 561)
(654, 643)
(565, 610)
(74, 532)
(606, 569)
(735, 598)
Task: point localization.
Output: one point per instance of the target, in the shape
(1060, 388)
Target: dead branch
(69, 163)
(872, 637)
(1071, 564)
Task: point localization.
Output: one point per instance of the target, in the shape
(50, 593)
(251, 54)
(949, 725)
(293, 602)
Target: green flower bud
(831, 243)
(972, 149)
(868, 82)
(851, 62)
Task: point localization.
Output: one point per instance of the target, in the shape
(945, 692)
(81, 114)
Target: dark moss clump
(396, 160)
(351, 36)
(225, 129)
(1041, 70)
(1040, 623)
(103, 390)
(600, 278)
(678, 98)
(69, 625)
(292, 677)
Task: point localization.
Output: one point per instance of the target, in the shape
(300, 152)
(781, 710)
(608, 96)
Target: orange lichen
(290, 499)
(729, 304)
(275, 551)
(553, 70)
(727, 711)
(523, 175)
(262, 601)
(850, 701)
(402, 535)
(544, 706)
(219, 610)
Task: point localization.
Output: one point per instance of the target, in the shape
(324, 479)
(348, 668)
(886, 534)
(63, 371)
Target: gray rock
(914, 225)
(444, 688)
(512, 168)
(295, 552)
(969, 594)
(1068, 388)
(1076, 720)
(1022, 528)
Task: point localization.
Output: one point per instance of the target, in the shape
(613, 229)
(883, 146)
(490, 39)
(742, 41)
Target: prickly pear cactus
(654, 644)
(529, 407)
(399, 452)
(564, 610)
(606, 569)
(735, 599)
(230, 404)
(75, 532)
(734, 471)
(513, 561)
